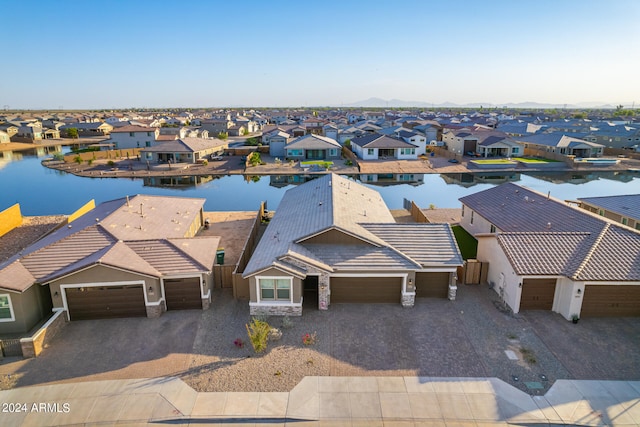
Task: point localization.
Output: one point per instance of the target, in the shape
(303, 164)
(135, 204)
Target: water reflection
(414, 179)
(470, 179)
(184, 182)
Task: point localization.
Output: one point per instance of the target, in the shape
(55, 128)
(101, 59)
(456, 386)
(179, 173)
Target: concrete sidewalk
(326, 401)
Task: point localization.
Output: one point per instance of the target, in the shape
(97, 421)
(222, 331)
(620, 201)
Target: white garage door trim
(63, 292)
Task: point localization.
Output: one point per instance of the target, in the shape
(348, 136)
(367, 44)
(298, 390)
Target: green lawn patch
(316, 162)
(466, 242)
(493, 162)
(530, 160)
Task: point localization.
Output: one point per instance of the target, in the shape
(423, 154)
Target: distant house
(546, 255)
(376, 146)
(183, 150)
(89, 129)
(313, 147)
(138, 256)
(276, 140)
(10, 128)
(4, 137)
(333, 240)
(562, 144)
(29, 132)
(623, 209)
(460, 141)
(414, 138)
(133, 137)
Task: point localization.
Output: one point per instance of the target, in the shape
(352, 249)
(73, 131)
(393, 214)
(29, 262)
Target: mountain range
(395, 103)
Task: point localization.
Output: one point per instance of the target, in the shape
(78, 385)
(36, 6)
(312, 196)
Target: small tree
(72, 133)
(223, 136)
(254, 158)
(244, 132)
(258, 332)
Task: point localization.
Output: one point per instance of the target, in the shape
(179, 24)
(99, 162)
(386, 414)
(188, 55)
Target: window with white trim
(275, 289)
(370, 151)
(6, 309)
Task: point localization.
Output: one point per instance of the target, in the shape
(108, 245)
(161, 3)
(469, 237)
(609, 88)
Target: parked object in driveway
(453, 161)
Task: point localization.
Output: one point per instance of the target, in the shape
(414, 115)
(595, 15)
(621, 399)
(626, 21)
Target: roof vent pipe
(141, 209)
(127, 201)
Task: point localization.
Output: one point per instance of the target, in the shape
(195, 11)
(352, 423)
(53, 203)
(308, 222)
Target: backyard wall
(10, 218)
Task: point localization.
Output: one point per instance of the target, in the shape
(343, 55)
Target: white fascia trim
(13, 313)
(438, 270)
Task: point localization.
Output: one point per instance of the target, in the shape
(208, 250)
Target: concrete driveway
(470, 337)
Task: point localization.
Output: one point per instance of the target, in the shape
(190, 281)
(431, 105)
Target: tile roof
(542, 236)
(556, 140)
(165, 257)
(376, 140)
(132, 128)
(546, 253)
(513, 208)
(162, 217)
(313, 141)
(187, 145)
(627, 205)
(111, 234)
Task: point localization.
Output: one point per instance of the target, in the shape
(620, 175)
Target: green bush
(111, 163)
(254, 159)
(258, 332)
(77, 159)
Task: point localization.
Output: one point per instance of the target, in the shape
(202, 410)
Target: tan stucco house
(333, 240)
(137, 256)
(546, 255)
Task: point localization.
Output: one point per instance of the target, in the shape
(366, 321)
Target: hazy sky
(104, 54)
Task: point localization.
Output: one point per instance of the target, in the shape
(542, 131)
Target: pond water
(42, 191)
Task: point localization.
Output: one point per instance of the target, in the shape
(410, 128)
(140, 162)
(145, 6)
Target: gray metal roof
(336, 203)
(627, 205)
(427, 244)
(556, 140)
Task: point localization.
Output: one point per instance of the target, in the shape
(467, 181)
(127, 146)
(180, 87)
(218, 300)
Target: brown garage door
(611, 301)
(105, 302)
(366, 289)
(537, 294)
(432, 285)
(183, 294)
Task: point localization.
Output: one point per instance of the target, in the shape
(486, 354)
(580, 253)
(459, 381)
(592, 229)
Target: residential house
(183, 150)
(313, 147)
(4, 137)
(10, 128)
(137, 256)
(375, 146)
(562, 144)
(29, 132)
(460, 141)
(333, 240)
(330, 130)
(88, 129)
(133, 137)
(276, 140)
(623, 209)
(546, 255)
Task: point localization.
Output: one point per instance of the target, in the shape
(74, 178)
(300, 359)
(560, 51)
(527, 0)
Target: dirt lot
(467, 337)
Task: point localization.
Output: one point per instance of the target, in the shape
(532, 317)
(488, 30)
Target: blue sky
(119, 54)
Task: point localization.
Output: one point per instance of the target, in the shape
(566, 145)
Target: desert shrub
(258, 332)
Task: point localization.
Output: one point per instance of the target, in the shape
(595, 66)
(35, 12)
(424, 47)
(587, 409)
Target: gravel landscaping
(474, 336)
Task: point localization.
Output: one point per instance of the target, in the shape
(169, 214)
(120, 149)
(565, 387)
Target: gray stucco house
(333, 240)
(138, 256)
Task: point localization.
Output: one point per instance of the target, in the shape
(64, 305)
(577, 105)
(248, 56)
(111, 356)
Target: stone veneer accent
(453, 290)
(33, 346)
(154, 311)
(323, 281)
(275, 310)
(408, 299)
